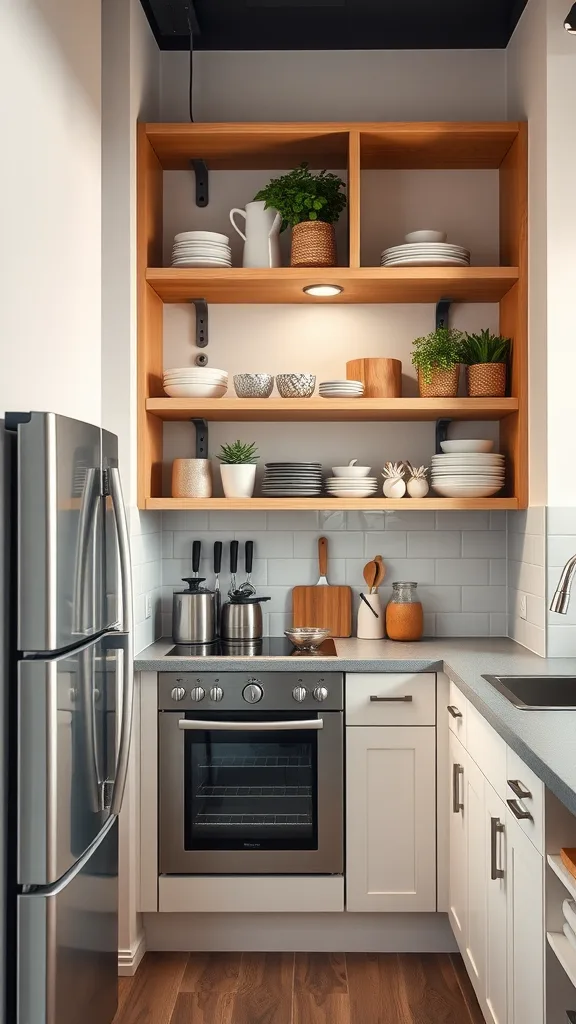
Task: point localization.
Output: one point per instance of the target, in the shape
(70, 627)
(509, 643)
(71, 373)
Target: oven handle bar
(219, 726)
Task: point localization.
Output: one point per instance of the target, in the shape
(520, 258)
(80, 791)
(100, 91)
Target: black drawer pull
(518, 812)
(390, 700)
(454, 711)
(518, 789)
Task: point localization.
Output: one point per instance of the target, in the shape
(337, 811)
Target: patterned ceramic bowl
(296, 385)
(253, 385)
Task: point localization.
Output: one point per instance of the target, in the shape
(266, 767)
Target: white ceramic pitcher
(261, 241)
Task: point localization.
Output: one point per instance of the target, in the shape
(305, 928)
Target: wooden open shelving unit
(354, 147)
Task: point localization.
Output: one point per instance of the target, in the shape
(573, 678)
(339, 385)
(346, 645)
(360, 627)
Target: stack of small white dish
(341, 389)
(195, 382)
(201, 249)
(467, 469)
(351, 481)
(425, 249)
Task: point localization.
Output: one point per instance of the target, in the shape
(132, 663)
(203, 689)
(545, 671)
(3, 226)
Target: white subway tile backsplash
(372, 522)
(527, 634)
(278, 622)
(498, 572)
(296, 571)
(441, 599)
(498, 624)
(453, 519)
(167, 544)
(347, 545)
(420, 570)
(491, 544)
(183, 540)
(292, 521)
(561, 521)
(185, 521)
(389, 545)
(526, 577)
(497, 519)
(471, 571)
(462, 624)
(275, 544)
(561, 642)
(233, 521)
(536, 610)
(560, 550)
(434, 544)
(483, 599)
(415, 519)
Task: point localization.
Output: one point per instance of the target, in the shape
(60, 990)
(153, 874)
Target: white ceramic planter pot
(238, 481)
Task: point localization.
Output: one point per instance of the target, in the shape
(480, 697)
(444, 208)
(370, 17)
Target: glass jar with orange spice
(404, 615)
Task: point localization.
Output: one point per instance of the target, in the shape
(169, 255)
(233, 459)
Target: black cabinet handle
(390, 700)
(457, 805)
(518, 811)
(519, 789)
(496, 828)
(454, 711)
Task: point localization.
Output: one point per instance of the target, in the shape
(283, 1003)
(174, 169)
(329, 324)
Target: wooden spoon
(370, 573)
(381, 572)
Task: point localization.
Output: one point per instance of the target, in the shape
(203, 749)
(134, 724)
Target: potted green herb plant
(437, 358)
(486, 356)
(238, 469)
(310, 204)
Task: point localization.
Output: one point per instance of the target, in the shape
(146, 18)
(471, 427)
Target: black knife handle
(249, 555)
(217, 555)
(234, 556)
(196, 555)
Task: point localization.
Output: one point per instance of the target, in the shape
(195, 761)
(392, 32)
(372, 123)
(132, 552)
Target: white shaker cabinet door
(525, 899)
(391, 818)
(475, 953)
(496, 984)
(458, 886)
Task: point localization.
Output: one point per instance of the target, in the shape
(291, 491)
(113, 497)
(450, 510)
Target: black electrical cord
(191, 75)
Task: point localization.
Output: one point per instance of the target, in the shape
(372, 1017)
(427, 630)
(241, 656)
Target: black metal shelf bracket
(201, 438)
(201, 307)
(441, 433)
(443, 313)
(202, 183)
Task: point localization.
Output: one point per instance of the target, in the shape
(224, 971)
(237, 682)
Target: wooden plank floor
(301, 988)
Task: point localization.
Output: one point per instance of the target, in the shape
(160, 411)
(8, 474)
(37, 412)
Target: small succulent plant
(238, 454)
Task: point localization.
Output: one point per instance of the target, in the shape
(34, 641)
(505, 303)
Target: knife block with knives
(323, 606)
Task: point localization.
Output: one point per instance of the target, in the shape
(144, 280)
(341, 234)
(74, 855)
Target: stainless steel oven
(251, 773)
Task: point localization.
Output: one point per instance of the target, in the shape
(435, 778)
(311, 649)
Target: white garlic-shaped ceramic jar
(394, 483)
(417, 485)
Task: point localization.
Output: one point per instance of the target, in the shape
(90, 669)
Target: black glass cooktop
(269, 647)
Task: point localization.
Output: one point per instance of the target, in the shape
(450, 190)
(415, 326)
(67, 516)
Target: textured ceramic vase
(191, 478)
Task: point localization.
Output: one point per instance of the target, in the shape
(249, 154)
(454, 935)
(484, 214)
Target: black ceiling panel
(333, 24)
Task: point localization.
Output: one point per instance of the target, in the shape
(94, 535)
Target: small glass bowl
(307, 638)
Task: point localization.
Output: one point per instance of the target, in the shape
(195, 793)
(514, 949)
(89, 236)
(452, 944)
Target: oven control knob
(320, 693)
(178, 693)
(299, 693)
(197, 693)
(252, 693)
(216, 693)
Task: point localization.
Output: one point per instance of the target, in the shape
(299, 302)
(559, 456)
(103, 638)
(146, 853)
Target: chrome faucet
(561, 598)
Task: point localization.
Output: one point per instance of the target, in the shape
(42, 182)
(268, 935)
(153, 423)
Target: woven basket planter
(487, 380)
(442, 383)
(313, 244)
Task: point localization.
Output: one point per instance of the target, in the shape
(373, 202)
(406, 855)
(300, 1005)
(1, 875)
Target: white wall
(50, 206)
(336, 85)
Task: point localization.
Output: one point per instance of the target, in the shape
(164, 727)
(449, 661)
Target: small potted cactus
(238, 469)
(394, 483)
(417, 485)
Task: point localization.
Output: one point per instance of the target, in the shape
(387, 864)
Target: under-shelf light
(323, 291)
(570, 20)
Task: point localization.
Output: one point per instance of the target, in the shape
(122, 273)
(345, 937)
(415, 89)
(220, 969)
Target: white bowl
(466, 446)
(204, 236)
(352, 494)
(473, 491)
(204, 370)
(351, 471)
(195, 390)
(414, 237)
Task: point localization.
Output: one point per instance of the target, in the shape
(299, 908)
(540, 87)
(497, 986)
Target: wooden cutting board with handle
(323, 606)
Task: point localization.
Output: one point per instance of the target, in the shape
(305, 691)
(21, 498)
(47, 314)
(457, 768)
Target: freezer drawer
(67, 755)
(60, 532)
(68, 943)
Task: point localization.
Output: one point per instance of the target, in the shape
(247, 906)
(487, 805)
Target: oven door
(251, 793)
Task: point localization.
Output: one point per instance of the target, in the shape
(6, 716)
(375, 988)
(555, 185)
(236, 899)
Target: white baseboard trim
(129, 959)
(310, 933)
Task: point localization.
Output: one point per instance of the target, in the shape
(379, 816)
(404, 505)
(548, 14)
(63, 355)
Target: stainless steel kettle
(194, 613)
(242, 617)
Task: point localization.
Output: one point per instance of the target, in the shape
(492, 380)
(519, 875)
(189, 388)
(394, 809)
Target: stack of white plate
(425, 254)
(351, 486)
(292, 480)
(195, 382)
(341, 389)
(201, 249)
(467, 474)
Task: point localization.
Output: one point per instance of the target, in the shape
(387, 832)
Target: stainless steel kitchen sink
(537, 693)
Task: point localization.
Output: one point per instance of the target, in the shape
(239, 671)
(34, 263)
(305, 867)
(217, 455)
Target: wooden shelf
(327, 410)
(327, 504)
(363, 284)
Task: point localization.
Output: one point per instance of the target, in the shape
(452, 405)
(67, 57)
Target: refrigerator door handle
(127, 700)
(91, 494)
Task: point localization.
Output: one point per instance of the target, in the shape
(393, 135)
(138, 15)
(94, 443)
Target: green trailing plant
(300, 195)
(238, 454)
(485, 348)
(440, 350)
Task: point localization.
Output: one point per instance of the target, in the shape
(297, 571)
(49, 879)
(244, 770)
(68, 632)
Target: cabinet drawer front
(457, 712)
(382, 698)
(525, 795)
(487, 749)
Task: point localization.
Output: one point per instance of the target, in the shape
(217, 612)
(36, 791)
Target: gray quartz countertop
(546, 740)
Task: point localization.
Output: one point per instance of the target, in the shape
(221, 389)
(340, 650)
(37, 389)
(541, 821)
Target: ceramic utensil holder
(369, 626)
(191, 478)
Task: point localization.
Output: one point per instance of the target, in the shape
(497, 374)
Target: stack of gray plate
(292, 480)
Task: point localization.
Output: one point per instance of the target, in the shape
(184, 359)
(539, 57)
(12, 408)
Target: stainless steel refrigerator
(70, 711)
